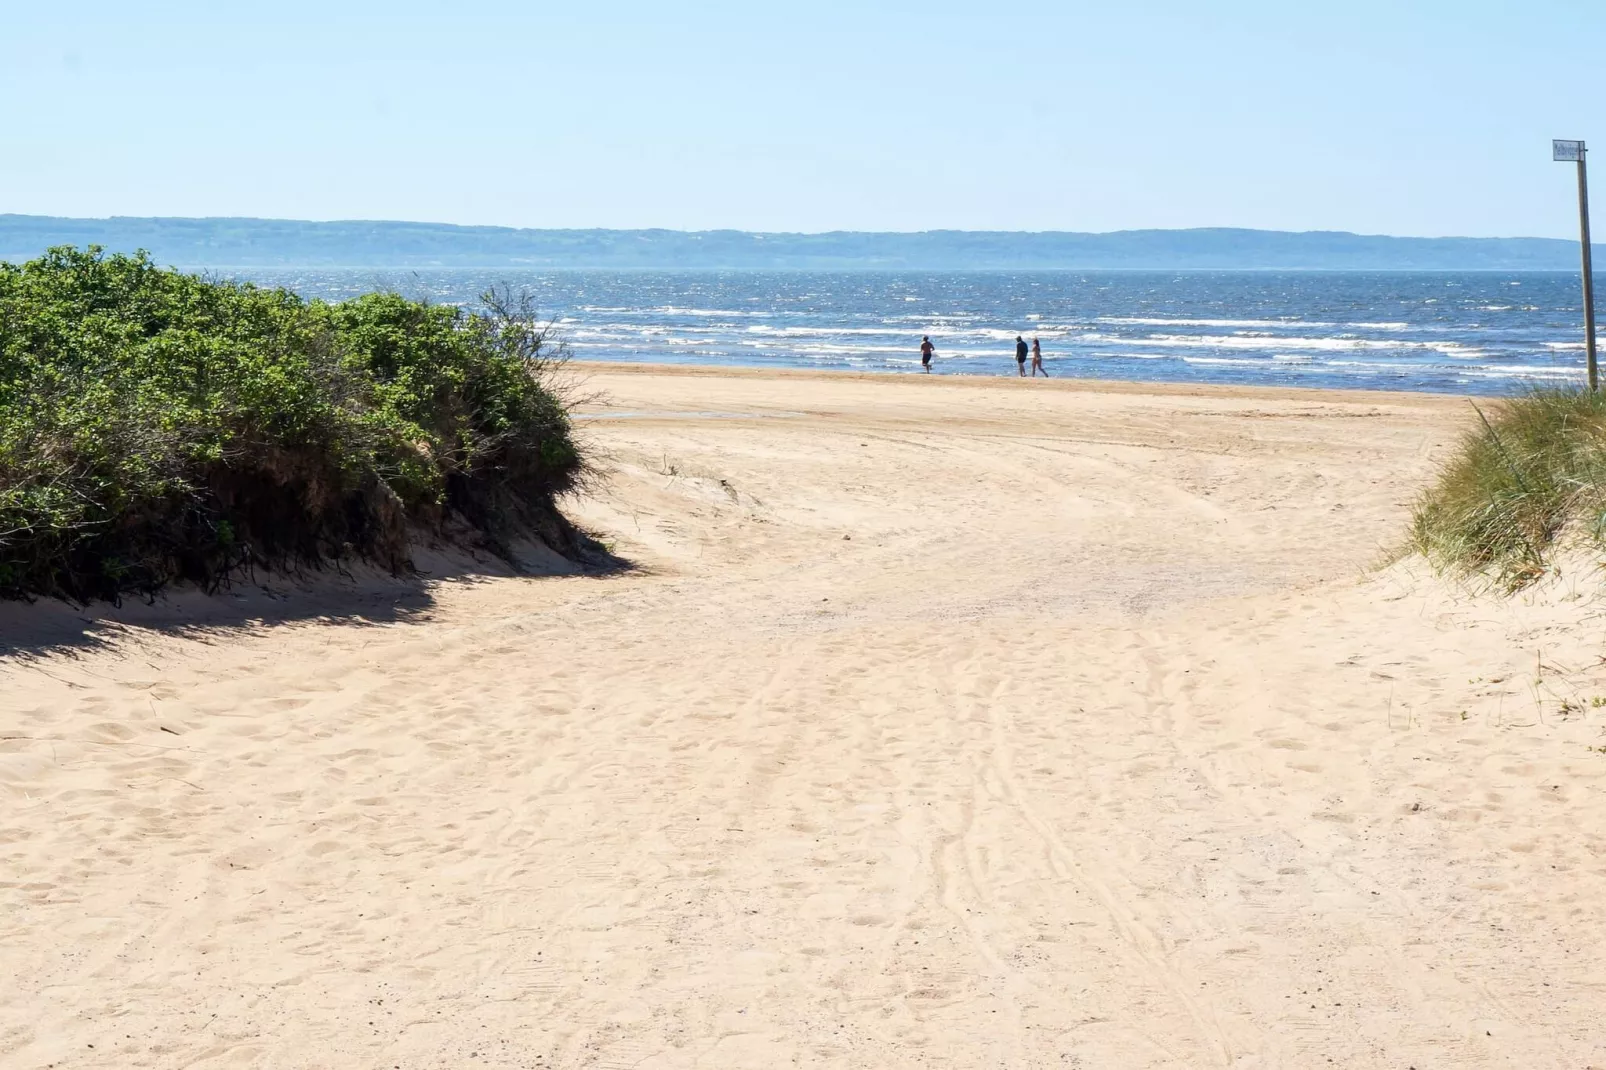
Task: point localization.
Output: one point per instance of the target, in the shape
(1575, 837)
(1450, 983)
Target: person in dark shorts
(1020, 355)
(1037, 360)
(926, 350)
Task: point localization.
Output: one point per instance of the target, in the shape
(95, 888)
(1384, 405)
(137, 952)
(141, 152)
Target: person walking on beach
(926, 350)
(1020, 355)
(1037, 360)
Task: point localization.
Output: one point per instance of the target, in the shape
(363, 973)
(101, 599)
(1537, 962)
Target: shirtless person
(926, 350)
(1037, 360)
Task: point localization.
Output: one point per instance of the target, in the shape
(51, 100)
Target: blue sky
(1430, 118)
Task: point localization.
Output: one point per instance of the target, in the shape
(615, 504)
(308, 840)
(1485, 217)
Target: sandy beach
(935, 722)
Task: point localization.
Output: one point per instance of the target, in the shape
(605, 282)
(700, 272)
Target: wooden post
(1589, 271)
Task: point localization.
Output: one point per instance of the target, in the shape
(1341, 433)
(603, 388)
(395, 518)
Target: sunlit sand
(937, 722)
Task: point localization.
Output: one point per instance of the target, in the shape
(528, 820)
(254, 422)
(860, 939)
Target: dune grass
(1531, 474)
(157, 426)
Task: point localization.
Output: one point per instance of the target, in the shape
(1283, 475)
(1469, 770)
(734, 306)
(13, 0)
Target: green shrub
(157, 426)
(1532, 469)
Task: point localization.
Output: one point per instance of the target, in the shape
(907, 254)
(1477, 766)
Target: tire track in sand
(1144, 949)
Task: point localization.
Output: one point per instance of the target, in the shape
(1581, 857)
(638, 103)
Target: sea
(1461, 333)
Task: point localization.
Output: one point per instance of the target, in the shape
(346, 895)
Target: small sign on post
(1573, 152)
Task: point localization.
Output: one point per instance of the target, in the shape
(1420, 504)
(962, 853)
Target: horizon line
(779, 233)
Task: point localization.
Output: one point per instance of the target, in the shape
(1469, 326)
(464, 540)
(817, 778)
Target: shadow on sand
(360, 596)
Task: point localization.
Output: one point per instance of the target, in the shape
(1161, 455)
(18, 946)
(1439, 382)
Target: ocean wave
(826, 347)
(673, 310)
(1143, 321)
(1239, 341)
(807, 332)
(1521, 371)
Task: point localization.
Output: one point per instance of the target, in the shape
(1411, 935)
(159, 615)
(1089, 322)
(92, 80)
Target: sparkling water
(1470, 332)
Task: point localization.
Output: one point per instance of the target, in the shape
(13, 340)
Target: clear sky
(1424, 117)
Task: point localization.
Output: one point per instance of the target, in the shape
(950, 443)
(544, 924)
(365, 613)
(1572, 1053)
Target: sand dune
(941, 723)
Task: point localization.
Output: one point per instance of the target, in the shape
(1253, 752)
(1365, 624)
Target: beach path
(938, 722)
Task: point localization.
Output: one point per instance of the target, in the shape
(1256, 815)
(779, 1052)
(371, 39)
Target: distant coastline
(244, 242)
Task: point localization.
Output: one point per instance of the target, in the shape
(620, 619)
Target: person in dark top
(1020, 355)
(926, 350)
(1037, 360)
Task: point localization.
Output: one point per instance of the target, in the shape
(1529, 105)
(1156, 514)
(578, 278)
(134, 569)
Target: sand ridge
(976, 724)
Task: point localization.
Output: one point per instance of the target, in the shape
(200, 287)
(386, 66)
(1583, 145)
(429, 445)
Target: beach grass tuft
(1530, 474)
(157, 426)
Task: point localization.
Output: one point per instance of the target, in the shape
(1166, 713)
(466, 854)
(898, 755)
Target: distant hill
(226, 242)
